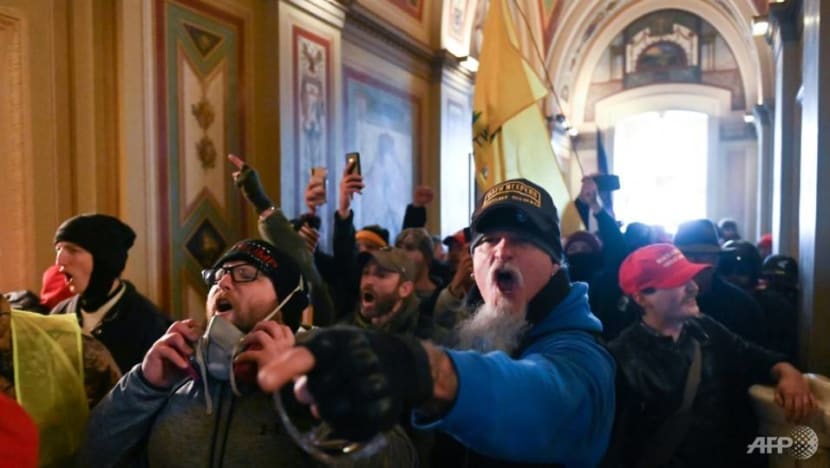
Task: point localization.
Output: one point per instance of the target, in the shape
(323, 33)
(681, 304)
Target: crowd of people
(506, 343)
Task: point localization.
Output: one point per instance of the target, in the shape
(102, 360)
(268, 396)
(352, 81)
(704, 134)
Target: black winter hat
(279, 267)
(698, 237)
(107, 238)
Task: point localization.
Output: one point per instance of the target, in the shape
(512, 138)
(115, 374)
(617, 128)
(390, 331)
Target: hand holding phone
(351, 183)
(607, 182)
(316, 191)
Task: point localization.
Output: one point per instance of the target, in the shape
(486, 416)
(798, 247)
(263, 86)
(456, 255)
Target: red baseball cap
(659, 266)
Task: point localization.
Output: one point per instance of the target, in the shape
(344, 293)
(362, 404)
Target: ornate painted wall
(201, 118)
(308, 80)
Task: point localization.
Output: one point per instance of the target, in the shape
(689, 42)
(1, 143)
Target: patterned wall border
(297, 33)
(166, 196)
(416, 11)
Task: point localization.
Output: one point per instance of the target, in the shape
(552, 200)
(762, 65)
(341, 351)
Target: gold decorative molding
(205, 149)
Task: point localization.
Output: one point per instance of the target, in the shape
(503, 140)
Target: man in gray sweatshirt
(194, 401)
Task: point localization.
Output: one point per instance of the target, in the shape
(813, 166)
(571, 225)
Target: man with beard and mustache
(533, 385)
(387, 301)
(683, 380)
(91, 254)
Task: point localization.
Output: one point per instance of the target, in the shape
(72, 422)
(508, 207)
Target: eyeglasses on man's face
(242, 273)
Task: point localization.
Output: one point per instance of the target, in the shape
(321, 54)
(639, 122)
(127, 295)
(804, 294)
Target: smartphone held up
(353, 163)
(317, 184)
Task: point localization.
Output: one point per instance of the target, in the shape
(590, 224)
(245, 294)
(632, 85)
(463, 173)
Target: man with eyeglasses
(194, 401)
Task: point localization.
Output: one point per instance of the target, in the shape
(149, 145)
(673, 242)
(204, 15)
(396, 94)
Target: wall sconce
(469, 63)
(563, 122)
(760, 26)
(749, 118)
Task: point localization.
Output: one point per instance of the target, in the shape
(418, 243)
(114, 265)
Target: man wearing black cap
(193, 401)
(718, 298)
(91, 254)
(534, 386)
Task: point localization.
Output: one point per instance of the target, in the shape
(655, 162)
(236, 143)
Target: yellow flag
(510, 138)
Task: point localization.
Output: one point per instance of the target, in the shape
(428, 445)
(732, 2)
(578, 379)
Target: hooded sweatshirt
(553, 403)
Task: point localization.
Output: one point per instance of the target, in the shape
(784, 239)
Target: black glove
(248, 182)
(363, 381)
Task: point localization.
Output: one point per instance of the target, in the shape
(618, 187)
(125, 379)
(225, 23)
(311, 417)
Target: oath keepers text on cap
(514, 190)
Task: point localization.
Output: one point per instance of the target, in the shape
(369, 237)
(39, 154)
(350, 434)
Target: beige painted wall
(37, 151)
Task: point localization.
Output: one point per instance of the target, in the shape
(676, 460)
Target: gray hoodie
(137, 424)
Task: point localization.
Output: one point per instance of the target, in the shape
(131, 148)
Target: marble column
(785, 166)
(814, 189)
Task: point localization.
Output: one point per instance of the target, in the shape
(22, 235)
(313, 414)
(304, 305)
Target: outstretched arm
(561, 393)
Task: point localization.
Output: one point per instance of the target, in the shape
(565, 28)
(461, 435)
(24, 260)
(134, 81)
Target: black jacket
(651, 377)
(734, 309)
(128, 329)
(608, 303)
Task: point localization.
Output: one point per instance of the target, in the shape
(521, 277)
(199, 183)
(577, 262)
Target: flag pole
(549, 81)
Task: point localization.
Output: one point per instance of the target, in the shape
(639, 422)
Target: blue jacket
(554, 403)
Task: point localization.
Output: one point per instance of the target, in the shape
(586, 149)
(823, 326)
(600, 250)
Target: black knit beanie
(279, 267)
(108, 240)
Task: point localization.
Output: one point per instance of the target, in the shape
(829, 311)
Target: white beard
(493, 328)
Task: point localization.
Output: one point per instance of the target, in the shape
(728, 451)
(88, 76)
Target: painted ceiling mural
(668, 46)
(603, 15)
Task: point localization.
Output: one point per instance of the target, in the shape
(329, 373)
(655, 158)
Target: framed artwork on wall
(382, 123)
(414, 17)
(413, 8)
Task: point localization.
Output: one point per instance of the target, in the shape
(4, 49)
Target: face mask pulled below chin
(221, 343)
(218, 346)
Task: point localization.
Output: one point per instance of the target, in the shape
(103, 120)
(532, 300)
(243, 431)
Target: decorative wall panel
(312, 94)
(413, 8)
(201, 118)
(457, 175)
(457, 26)
(414, 17)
